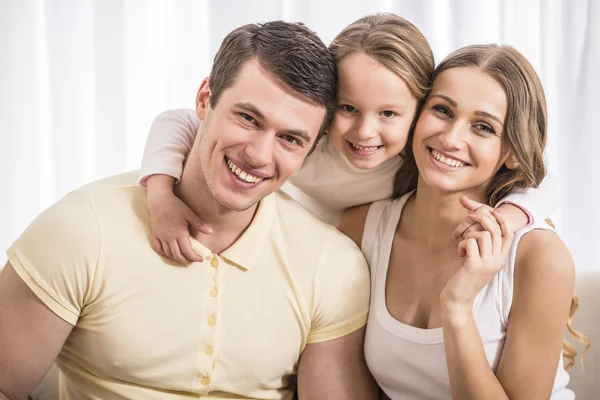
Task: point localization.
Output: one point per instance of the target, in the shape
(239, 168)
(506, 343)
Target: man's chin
(238, 205)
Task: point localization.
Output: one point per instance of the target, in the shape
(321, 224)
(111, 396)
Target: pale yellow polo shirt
(231, 327)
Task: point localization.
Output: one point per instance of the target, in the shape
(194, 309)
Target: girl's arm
(537, 203)
(171, 138)
(519, 209)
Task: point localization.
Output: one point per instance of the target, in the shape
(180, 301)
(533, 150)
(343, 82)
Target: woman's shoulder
(352, 222)
(542, 252)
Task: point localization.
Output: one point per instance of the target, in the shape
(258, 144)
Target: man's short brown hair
(290, 51)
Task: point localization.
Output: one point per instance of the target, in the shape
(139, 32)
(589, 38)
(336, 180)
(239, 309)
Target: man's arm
(31, 336)
(336, 369)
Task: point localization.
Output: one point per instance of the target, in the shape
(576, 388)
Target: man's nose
(259, 151)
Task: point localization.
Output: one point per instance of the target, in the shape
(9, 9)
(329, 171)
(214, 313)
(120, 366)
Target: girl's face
(375, 111)
(458, 142)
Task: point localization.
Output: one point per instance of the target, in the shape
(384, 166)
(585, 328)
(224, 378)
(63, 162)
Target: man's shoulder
(292, 212)
(126, 180)
(298, 222)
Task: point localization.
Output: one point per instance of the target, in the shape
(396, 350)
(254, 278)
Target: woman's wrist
(456, 313)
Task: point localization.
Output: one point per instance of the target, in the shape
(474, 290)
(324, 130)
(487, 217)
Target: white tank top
(408, 362)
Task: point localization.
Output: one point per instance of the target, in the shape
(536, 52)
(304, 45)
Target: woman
(482, 316)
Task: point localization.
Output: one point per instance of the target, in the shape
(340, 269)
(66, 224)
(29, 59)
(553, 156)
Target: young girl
(384, 70)
(486, 322)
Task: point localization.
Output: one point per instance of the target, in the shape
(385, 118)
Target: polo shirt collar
(245, 252)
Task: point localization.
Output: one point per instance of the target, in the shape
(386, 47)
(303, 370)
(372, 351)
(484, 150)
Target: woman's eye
(388, 114)
(485, 128)
(442, 110)
(347, 108)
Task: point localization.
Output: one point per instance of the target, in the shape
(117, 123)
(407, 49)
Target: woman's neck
(432, 215)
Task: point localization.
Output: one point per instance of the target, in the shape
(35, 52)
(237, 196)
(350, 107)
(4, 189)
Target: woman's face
(458, 142)
(374, 114)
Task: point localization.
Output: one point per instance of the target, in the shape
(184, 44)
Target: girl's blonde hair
(525, 132)
(395, 43)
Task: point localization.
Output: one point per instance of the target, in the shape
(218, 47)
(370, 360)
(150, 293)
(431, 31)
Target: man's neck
(227, 225)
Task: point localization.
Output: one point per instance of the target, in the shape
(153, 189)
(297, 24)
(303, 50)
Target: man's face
(255, 138)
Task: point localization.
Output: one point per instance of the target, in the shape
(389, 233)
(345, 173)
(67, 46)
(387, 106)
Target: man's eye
(347, 108)
(248, 118)
(388, 114)
(291, 139)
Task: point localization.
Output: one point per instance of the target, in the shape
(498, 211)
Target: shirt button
(208, 351)
(212, 321)
(214, 263)
(205, 381)
(213, 292)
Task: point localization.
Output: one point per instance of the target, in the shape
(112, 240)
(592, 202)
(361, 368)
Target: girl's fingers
(177, 252)
(186, 249)
(167, 249)
(197, 223)
(158, 247)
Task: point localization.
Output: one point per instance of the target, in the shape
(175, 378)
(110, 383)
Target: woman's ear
(203, 100)
(511, 162)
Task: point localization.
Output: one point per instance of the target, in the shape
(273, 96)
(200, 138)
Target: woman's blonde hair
(525, 133)
(395, 43)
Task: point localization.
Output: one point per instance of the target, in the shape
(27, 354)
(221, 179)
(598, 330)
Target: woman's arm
(171, 138)
(543, 287)
(544, 278)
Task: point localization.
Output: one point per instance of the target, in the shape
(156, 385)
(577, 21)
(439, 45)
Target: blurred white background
(82, 80)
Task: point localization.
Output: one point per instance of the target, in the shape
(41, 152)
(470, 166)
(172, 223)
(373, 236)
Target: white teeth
(361, 148)
(243, 175)
(446, 160)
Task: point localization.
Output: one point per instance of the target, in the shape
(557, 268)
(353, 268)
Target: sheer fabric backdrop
(81, 81)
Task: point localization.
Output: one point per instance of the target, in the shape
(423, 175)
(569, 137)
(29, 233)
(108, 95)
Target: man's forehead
(258, 90)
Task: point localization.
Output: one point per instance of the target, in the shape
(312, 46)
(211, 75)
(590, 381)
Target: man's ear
(203, 100)
(511, 162)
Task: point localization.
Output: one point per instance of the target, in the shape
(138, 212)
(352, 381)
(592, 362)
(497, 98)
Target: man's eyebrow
(299, 133)
(448, 99)
(250, 108)
(245, 106)
(486, 114)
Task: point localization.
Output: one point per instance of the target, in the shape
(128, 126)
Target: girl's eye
(441, 109)
(388, 114)
(347, 108)
(485, 128)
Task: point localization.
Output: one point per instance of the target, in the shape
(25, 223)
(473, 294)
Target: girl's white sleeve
(170, 140)
(538, 203)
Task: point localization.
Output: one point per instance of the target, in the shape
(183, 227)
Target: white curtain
(81, 81)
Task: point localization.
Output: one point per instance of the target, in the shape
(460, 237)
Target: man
(280, 297)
